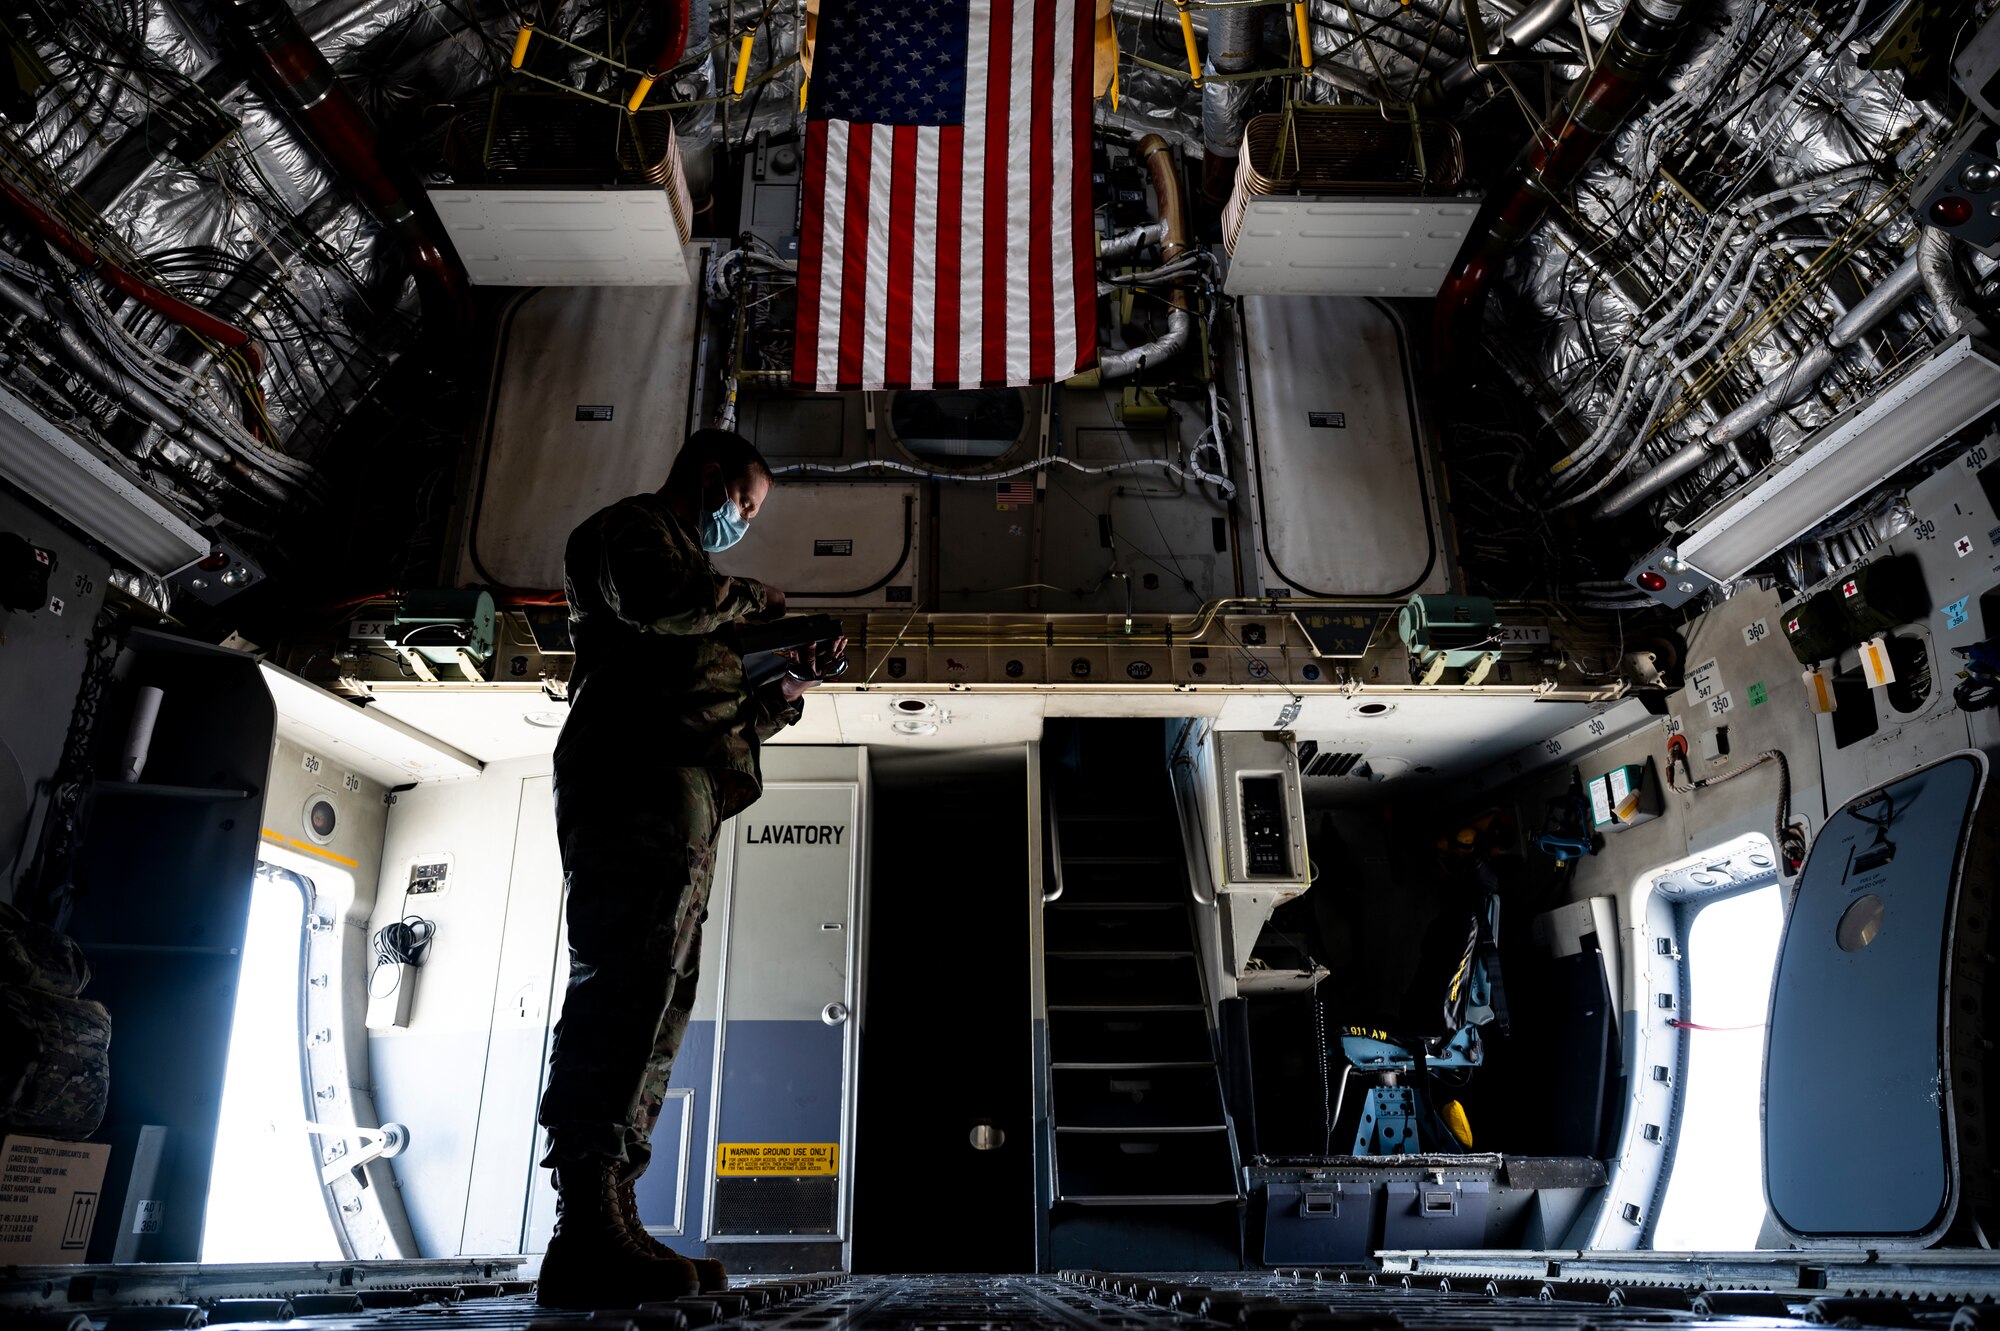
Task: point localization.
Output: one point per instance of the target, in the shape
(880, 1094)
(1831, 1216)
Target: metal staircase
(1137, 1116)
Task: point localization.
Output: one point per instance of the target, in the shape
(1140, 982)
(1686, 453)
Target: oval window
(1860, 924)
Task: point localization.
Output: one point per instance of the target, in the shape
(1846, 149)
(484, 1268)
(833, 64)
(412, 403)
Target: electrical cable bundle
(406, 942)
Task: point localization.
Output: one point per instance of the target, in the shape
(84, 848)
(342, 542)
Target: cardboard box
(49, 1193)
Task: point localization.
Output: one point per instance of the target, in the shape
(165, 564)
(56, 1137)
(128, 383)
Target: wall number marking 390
(1926, 530)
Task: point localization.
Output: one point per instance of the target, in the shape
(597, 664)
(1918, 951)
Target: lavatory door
(751, 1153)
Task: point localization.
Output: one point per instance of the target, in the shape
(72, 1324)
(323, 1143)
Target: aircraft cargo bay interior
(999, 665)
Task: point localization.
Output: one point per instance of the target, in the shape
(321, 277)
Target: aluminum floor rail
(1302, 1300)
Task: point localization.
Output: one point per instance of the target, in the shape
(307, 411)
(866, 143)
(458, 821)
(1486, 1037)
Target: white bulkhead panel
(589, 404)
(1345, 500)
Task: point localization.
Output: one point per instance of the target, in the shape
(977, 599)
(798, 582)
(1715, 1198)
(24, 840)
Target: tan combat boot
(593, 1260)
(710, 1273)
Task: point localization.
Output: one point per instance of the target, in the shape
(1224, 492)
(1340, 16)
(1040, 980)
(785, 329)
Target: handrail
(1191, 846)
(1055, 853)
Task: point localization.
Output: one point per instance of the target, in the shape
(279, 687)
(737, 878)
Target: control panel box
(1263, 811)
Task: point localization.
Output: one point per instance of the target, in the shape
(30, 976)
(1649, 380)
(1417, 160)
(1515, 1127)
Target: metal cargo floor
(446, 1296)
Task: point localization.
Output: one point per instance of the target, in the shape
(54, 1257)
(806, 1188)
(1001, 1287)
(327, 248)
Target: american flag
(946, 239)
(1006, 494)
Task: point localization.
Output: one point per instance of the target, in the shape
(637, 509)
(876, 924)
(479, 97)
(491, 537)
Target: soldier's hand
(814, 663)
(774, 601)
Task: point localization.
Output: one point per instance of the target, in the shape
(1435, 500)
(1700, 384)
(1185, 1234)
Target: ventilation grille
(748, 1206)
(1316, 152)
(530, 139)
(1348, 150)
(1315, 763)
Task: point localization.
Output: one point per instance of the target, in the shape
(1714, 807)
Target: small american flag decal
(1012, 494)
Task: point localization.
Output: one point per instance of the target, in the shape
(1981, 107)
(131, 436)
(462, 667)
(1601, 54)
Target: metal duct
(1584, 121)
(1937, 255)
(1232, 49)
(1159, 159)
(1520, 34)
(297, 76)
(1788, 386)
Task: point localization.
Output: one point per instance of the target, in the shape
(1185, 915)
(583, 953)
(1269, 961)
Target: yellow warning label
(737, 1159)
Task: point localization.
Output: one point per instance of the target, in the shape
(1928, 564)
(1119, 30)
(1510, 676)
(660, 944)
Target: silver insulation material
(257, 229)
(1785, 142)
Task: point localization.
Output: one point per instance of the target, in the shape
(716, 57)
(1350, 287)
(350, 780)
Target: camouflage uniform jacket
(656, 684)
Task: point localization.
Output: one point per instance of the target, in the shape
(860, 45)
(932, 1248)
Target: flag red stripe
(1041, 211)
(1083, 245)
(999, 60)
(854, 267)
(951, 170)
(812, 237)
(902, 257)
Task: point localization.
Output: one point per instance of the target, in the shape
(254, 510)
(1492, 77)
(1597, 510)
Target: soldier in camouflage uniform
(660, 747)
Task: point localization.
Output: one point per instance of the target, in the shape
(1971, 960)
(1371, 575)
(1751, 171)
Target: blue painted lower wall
(781, 1083)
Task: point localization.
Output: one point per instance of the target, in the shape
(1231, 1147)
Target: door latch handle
(833, 1013)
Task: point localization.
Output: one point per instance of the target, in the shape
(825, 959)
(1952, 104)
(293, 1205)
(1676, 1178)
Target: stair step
(1117, 839)
(1130, 907)
(1117, 954)
(1149, 1166)
(1207, 1065)
(1084, 928)
(1129, 1037)
(1116, 982)
(1128, 1129)
(1157, 884)
(1135, 1099)
(1069, 817)
(1127, 1007)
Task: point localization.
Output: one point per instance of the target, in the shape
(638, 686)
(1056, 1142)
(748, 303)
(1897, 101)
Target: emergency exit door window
(265, 1203)
(1715, 1192)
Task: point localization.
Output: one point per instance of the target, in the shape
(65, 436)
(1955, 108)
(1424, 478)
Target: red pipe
(297, 75)
(674, 17)
(191, 317)
(1551, 162)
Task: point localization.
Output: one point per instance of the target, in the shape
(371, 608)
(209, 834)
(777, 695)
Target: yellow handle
(803, 84)
(1305, 35)
(743, 61)
(521, 44)
(1187, 35)
(638, 96)
(1114, 87)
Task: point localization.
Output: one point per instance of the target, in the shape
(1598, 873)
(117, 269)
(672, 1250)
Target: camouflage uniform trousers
(638, 864)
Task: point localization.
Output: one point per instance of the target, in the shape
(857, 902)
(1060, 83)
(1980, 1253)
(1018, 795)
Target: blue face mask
(724, 527)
